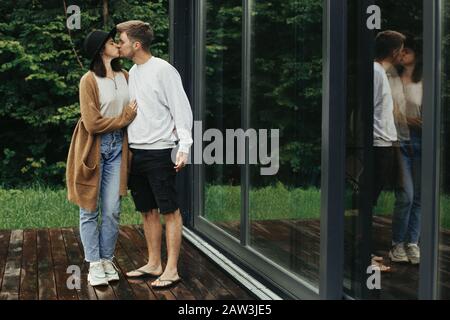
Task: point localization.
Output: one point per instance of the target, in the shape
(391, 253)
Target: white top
(407, 102)
(398, 95)
(414, 97)
(112, 99)
(164, 114)
(384, 131)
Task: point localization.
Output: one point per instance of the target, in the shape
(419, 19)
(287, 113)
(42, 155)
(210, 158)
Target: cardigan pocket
(87, 175)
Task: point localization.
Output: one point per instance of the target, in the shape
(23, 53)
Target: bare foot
(383, 268)
(167, 276)
(146, 270)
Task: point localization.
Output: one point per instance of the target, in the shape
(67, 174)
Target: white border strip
(253, 285)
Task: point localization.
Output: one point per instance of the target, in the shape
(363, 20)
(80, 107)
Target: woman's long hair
(98, 67)
(415, 45)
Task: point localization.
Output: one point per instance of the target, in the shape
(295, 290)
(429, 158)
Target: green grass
(40, 207)
(223, 203)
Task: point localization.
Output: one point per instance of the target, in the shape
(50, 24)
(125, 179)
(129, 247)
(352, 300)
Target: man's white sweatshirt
(384, 130)
(164, 114)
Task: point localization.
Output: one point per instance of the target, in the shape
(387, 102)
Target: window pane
(286, 82)
(444, 248)
(223, 108)
(382, 219)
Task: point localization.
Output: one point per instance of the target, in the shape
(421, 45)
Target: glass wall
(382, 218)
(262, 92)
(285, 95)
(444, 234)
(222, 111)
(262, 72)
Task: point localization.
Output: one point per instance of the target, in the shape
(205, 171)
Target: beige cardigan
(83, 161)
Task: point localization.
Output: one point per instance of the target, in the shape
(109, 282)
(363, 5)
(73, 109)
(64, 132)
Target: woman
(407, 212)
(97, 164)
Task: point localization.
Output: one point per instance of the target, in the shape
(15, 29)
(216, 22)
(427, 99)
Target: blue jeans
(407, 212)
(99, 241)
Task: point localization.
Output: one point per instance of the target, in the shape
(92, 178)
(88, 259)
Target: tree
(39, 77)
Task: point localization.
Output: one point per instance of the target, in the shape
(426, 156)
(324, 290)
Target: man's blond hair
(139, 31)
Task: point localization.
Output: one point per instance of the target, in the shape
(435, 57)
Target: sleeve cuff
(184, 148)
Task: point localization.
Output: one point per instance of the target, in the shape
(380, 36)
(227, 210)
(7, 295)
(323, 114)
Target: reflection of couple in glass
(397, 138)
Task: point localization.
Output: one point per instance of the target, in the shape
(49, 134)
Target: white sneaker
(398, 253)
(96, 275)
(413, 253)
(110, 270)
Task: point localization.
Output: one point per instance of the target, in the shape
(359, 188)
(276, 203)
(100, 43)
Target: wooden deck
(33, 265)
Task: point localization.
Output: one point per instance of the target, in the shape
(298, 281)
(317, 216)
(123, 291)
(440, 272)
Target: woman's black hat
(95, 41)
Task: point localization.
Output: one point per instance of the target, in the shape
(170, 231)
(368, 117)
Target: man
(164, 117)
(388, 52)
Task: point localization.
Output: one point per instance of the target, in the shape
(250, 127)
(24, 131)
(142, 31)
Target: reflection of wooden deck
(295, 244)
(33, 265)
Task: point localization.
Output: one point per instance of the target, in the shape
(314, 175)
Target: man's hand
(181, 161)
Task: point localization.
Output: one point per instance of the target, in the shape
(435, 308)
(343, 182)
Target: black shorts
(152, 180)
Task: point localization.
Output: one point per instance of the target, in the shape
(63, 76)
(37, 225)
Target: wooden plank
(75, 257)
(180, 291)
(196, 289)
(138, 260)
(11, 278)
(102, 292)
(46, 276)
(5, 236)
(60, 266)
(191, 278)
(208, 274)
(237, 291)
(140, 288)
(29, 280)
(122, 288)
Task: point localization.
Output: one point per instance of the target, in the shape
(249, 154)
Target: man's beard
(128, 56)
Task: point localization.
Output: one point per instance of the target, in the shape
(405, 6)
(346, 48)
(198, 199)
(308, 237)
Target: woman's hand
(130, 112)
(414, 122)
(133, 105)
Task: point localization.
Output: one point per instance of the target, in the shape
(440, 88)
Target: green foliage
(39, 76)
(285, 86)
(287, 83)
